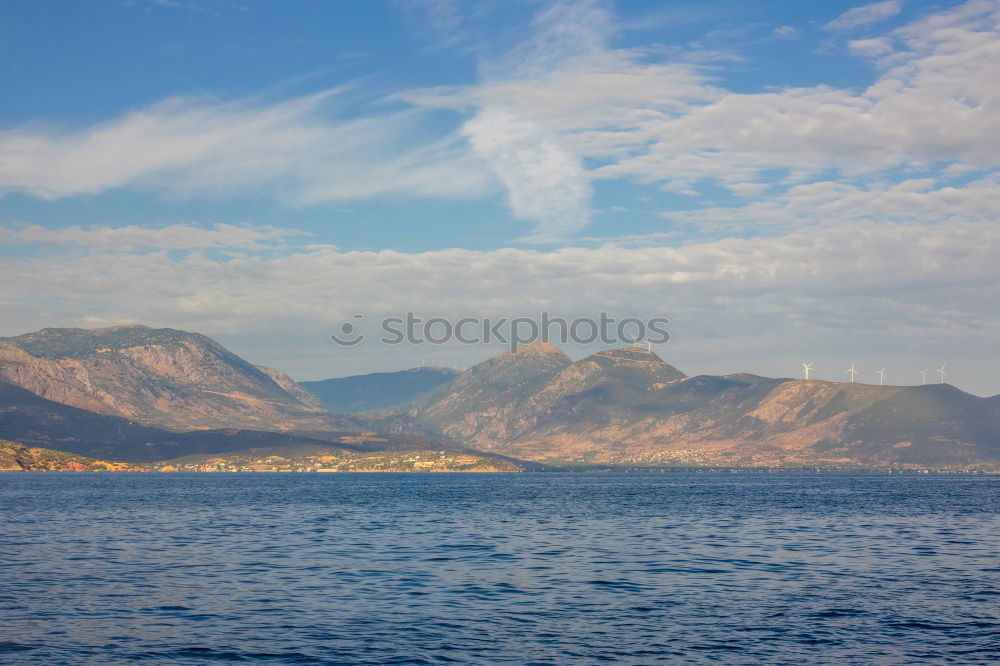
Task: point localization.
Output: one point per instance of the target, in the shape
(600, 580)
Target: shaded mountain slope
(937, 424)
(377, 390)
(37, 422)
(33, 420)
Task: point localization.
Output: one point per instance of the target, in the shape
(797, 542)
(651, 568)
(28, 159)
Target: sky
(785, 181)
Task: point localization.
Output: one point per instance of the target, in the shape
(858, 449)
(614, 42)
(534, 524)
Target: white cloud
(866, 15)
(545, 182)
(292, 147)
(666, 123)
(935, 103)
(786, 32)
(562, 32)
(535, 133)
(916, 201)
(876, 46)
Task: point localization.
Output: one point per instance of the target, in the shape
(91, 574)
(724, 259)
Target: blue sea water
(537, 568)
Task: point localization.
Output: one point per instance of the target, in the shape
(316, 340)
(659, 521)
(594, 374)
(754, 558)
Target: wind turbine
(649, 345)
(923, 376)
(942, 372)
(806, 367)
(881, 376)
(635, 340)
(852, 371)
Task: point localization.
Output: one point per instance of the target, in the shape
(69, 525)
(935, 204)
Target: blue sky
(782, 179)
(85, 64)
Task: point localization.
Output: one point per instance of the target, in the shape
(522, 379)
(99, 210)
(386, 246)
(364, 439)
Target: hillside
(35, 421)
(630, 407)
(19, 458)
(38, 422)
(160, 377)
(478, 403)
(360, 393)
(302, 457)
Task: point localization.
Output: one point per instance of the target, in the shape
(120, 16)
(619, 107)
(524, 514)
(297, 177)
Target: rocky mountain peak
(539, 348)
(516, 367)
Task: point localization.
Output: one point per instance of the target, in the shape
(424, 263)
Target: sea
(531, 568)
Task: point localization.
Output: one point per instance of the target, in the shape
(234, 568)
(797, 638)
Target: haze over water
(528, 568)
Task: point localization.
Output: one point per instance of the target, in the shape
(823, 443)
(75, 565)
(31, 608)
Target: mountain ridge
(140, 394)
(628, 406)
(161, 377)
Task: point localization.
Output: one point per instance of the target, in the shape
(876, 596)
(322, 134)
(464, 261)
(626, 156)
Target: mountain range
(35, 421)
(629, 407)
(145, 396)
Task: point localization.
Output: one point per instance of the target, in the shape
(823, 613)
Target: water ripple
(519, 569)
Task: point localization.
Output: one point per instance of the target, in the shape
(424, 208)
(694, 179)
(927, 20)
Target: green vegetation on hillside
(52, 343)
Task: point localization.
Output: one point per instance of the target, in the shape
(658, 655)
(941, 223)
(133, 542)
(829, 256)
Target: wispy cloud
(866, 15)
(546, 182)
(786, 32)
(876, 46)
(213, 7)
(919, 202)
(442, 18)
(294, 147)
